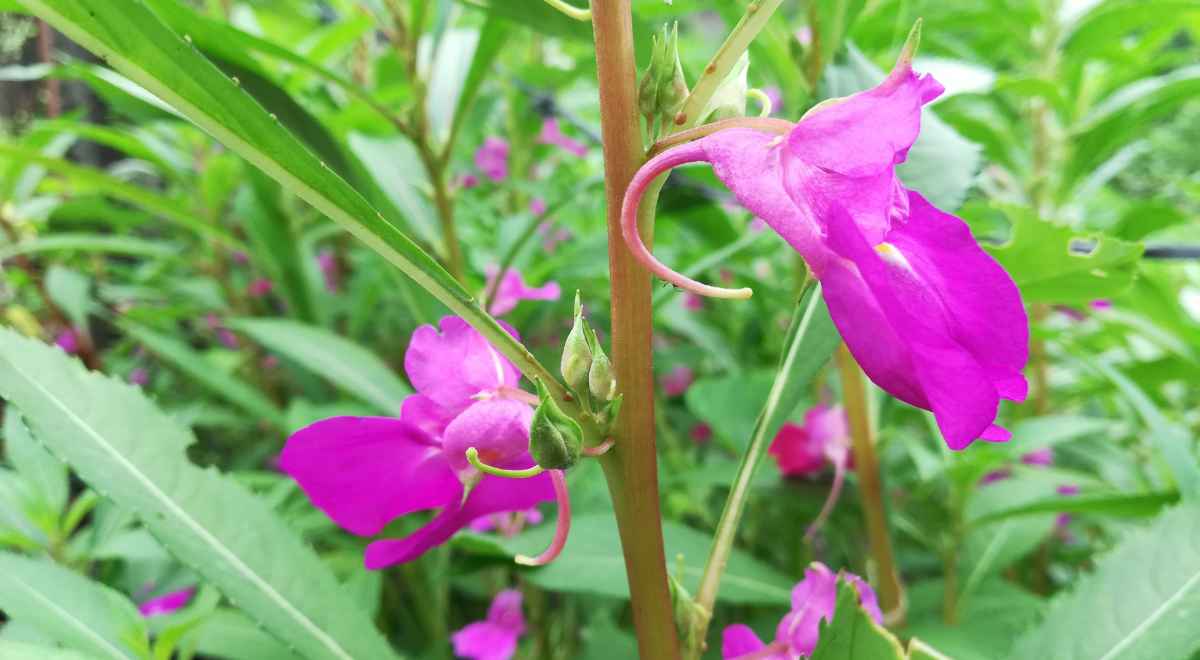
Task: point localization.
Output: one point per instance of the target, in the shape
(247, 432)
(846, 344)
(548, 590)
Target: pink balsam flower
(537, 206)
(814, 598)
(930, 316)
(139, 376)
(492, 159)
(259, 288)
(364, 472)
(677, 381)
(804, 451)
(167, 603)
(1043, 457)
(68, 341)
(701, 433)
(551, 134)
(331, 272)
(513, 289)
(494, 638)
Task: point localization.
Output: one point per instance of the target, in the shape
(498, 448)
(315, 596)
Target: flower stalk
(866, 465)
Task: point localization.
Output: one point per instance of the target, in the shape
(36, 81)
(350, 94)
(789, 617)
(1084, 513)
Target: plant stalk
(631, 466)
(870, 486)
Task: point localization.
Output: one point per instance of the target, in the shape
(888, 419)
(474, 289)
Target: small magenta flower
(68, 341)
(999, 474)
(552, 236)
(1043, 457)
(701, 433)
(167, 603)
(551, 134)
(240, 258)
(692, 302)
(508, 524)
(494, 638)
(468, 181)
(931, 318)
(492, 159)
(259, 287)
(1101, 304)
(224, 335)
(330, 271)
(139, 376)
(814, 598)
(677, 381)
(537, 206)
(804, 451)
(364, 472)
(1066, 490)
(513, 289)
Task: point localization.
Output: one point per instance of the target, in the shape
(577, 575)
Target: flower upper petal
(452, 366)
(498, 428)
(513, 289)
(738, 640)
(484, 640)
(366, 471)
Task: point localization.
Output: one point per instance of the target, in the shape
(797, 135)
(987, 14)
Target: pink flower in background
(551, 134)
(508, 524)
(468, 181)
(804, 35)
(494, 638)
(492, 159)
(513, 289)
(930, 316)
(701, 433)
(139, 376)
(167, 603)
(270, 362)
(224, 335)
(328, 264)
(259, 287)
(537, 206)
(68, 340)
(1043, 457)
(813, 599)
(552, 236)
(995, 475)
(1066, 490)
(240, 258)
(804, 450)
(1101, 304)
(692, 302)
(776, 95)
(364, 472)
(677, 380)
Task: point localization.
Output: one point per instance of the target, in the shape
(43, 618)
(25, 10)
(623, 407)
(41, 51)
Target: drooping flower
(805, 450)
(330, 271)
(814, 598)
(167, 603)
(364, 472)
(509, 523)
(678, 380)
(512, 289)
(1043, 457)
(68, 341)
(931, 318)
(494, 638)
(492, 159)
(551, 134)
(259, 287)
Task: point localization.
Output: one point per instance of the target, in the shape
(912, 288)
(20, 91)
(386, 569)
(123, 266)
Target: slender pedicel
(600, 449)
(474, 460)
(561, 528)
(688, 153)
(839, 477)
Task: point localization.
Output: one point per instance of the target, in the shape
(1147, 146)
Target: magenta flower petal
(677, 381)
(452, 366)
(513, 289)
(259, 287)
(866, 596)
(364, 472)
(492, 159)
(68, 341)
(796, 451)
(1043, 457)
(552, 134)
(498, 428)
(491, 495)
(738, 640)
(1067, 489)
(494, 638)
(167, 603)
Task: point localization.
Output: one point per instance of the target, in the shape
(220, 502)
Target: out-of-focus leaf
(941, 164)
(69, 290)
(66, 242)
(231, 635)
(1145, 218)
(492, 37)
(853, 634)
(543, 18)
(275, 243)
(1145, 592)
(831, 24)
(592, 561)
(12, 650)
(223, 385)
(352, 368)
(1039, 258)
(34, 463)
(1120, 505)
(111, 435)
(71, 609)
(730, 404)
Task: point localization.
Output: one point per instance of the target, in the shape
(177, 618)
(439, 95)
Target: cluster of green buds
(663, 87)
(556, 439)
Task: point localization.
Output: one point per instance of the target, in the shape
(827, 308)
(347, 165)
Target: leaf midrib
(1159, 612)
(72, 620)
(248, 573)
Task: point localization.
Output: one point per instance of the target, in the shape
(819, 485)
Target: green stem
(631, 466)
(870, 487)
(739, 491)
(571, 10)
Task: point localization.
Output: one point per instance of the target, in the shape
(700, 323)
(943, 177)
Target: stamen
(561, 528)
(600, 449)
(838, 458)
(689, 153)
(474, 460)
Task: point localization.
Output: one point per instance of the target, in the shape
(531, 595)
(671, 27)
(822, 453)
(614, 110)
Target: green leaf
(69, 290)
(34, 463)
(65, 242)
(125, 448)
(853, 634)
(730, 404)
(223, 385)
(131, 39)
(831, 21)
(230, 635)
(71, 609)
(10, 650)
(275, 243)
(1144, 593)
(492, 37)
(592, 561)
(352, 368)
(1038, 256)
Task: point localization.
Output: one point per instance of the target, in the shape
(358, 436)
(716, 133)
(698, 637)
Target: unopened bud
(577, 352)
(600, 377)
(663, 86)
(555, 440)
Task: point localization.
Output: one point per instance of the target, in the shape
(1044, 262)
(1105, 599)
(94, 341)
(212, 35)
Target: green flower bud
(663, 87)
(600, 377)
(577, 352)
(555, 440)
